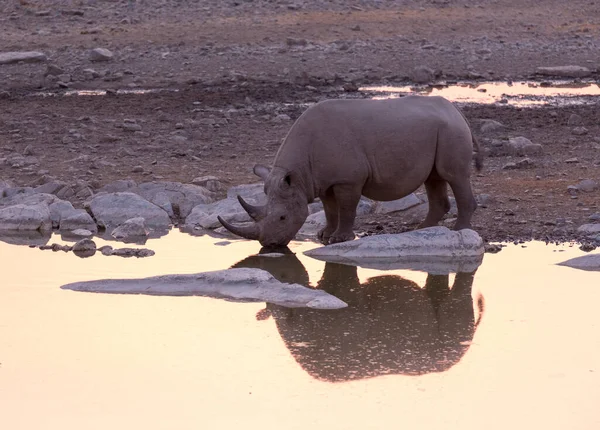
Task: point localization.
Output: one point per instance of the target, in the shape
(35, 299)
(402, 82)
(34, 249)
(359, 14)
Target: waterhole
(514, 344)
(522, 93)
(525, 94)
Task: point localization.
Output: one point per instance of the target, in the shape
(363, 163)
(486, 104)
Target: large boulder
(205, 215)
(252, 193)
(241, 284)
(112, 210)
(132, 230)
(77, 219)
(182, 197)
(23, 217)
(436, 250)
(585, 262)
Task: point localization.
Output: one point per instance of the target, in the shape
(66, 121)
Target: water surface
(71, 360)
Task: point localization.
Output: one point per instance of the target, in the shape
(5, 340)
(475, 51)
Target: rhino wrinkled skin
(339, 150)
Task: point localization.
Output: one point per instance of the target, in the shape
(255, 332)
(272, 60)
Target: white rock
(397, 205)
(27, 57)
(586, 262)
(111, 210)
(565, 71)
(436, 250)
(242, 284)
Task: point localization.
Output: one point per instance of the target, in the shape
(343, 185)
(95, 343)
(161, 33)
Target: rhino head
(277, 222)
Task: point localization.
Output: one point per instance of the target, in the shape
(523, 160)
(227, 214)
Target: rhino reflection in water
(391, 325)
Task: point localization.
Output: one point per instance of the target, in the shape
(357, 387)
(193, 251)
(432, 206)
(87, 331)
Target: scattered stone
(533, 149)
(587, 186)
(516, 145)
(594, 217)
(131, 126)
(211, 183)
(565, 71)
(587, 247)
(132, 252)
(491, 126)
(131, 230)
(26, 57)
(56, 247)
(572, 160)
(574, 119)
(492, 248)
(589, 228)
(350, 87)
(281, 118)
(434, 249)
(137, 169)
(81, 232)
(422, 75)
(579, 131)
(586, 262)
(100, 54)
(51, 187)
(240, 284)
(85, 248)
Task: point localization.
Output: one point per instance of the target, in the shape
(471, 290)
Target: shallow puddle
(517, 345)
(517, 93)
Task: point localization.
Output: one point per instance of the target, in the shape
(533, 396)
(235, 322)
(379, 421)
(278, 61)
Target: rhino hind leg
(465, 202)
(439, 203)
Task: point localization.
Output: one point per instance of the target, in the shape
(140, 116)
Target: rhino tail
(478, 153)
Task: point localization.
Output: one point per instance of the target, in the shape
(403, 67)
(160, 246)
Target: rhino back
(372, 141)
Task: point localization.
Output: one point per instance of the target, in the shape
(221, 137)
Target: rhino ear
(262, 171)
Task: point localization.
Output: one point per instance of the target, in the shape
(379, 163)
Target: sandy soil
(230, 72)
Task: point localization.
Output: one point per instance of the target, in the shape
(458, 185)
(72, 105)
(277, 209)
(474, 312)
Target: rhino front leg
(331, 215)
(346, 198)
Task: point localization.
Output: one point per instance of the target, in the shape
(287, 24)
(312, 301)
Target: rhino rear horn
(247, 232)
(256, 212)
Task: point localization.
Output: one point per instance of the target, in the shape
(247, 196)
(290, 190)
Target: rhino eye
(282, 218)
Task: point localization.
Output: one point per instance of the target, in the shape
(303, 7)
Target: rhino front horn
(247, 232)
(256, 212)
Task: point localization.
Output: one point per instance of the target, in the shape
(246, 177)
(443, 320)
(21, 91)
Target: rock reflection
(391, 326)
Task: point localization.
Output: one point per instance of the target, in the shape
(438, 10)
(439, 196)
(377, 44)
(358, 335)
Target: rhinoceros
(338, 150)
